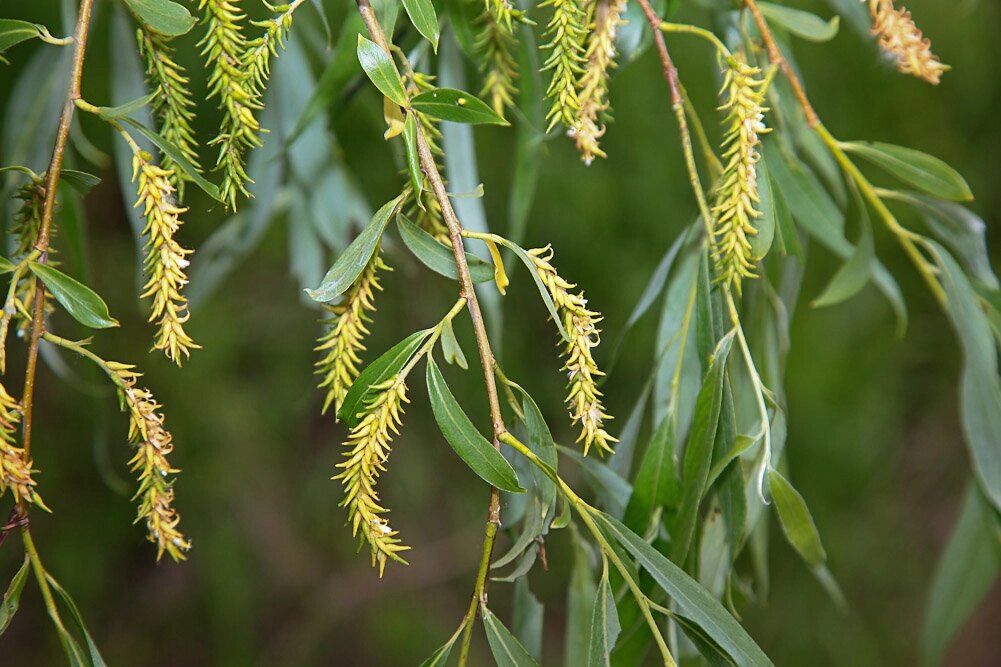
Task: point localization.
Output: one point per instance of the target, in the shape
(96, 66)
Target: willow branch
(467, 291)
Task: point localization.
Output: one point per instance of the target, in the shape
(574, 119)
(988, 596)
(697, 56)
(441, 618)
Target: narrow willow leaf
(440, 657)
(540, 441)
(855, 14)
(797, 522)
(450, 348)
(6, 266)
(467, 442)
(413, 159)
(462, 18)
(352, 261)
(421, 13)
(980, 388)
(14, 32)
(543, 292)
(507, 651)
(925, 172)
(80, 181)
(580, 600)
(163, 16)
(437, 257)
(692, 599)
(657, 483)
(715, 656)
(785, 229)
(802, 24)
(853, 274)
(380, 70)
(968, 568)
(177, 158)
(699, 451)
(377, 372)
(605, 627)
(80, 301)
(529, 137)
(457, 106)
(93, 656)
(527, 617)
(611, 489)
(765, 223)
(127, 109)
(530, 531)
(12, 597)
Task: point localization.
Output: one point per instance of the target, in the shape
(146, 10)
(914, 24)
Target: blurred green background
(273, 578)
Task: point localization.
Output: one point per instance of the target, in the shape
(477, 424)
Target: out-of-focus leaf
(457, 106)
(507, 651)
(475, 450)
(12, 596)
(797, 522)
(6, 266)
(612, 490)
(925, 172)
(527, 613)
(605, 626)
(437, 257)
(80, 301)
(855, 14)
(380, 70)
(92, 658)
(440, 657)
(657, 483)
(422, 15)
(529, 136)
(802, 24)
(853, 274)
(462, 17)
(580, 600)
(80, 181)
(163, 16)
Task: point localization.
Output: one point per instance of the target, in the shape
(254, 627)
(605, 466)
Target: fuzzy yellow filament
(584, 398)
(593, 87)
(153, 445)
(165, 259)
(901, 39)
(344, 340)
(737, 193)
(15, 466)
(368, 448)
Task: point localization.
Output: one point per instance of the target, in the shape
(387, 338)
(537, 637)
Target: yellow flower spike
(496, 43)
(593, 86)
(584, 398)
(737, 192)
(426, 213)
(368, 448)
(165, 259)
(15, 466)
(901, 39)
(343, 341)
(568, 31)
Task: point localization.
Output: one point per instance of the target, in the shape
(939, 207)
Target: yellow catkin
(344, 339)
(24, 230)
(154, 445)
(737, 193)
(584, 398)
(588, 127)
(15, 466)
(165, 259)
(901, 39)
(368, 449)
(496, 43)
(427, 212)
(567, 30)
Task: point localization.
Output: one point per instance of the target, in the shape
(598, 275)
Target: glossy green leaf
(457, 106)
(163, 16)
(467, 442)
(80, 301)
(177, 157)
(692, 599)
(380, 70)
(92, 658)
(413, 159)
(797, 522)
(12, 597)
(440, 258)
(386, 366)
(605, 626)
(802, 24)
(920, 170)
(506, 649)
(422, 15)
(450, 348)
(14, 32)
(352, 261)
(967, 570)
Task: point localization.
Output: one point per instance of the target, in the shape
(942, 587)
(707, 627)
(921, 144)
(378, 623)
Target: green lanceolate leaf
(381, 71)
(440, 258)
(797, 522)
(543, 292)
(13, 32)
(421, 13)
(80, 301)
(467, 442)
(352, 261)
(853, 274)
(440, 657)
(450, 347)
(802, 24)
(580, 598)
(506, 649)
(80, 181)
(605, 627)
(163, 16)
(657, 483)
(526, 618)
(12, 597)
(765, 223)
(127, 109)
(925, 172)
(693, 600)
(92, 658)
(413, 159)
(377, 372)
(177, 158)
(968, 568)
(6, 266)
(457, 106)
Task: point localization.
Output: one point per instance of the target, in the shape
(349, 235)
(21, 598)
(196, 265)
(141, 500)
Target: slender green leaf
(920, 170)
(529, 137)
(380, 70)
(605, 626)
(127, 109)
(163, 16)
(93, 656)
(352, 261)
(802, 24)
(177, 157)
(580, 598)
(797, 522)
(80, 301)
(440, 657)
(440, 258)
(657, 483)
(765, 223)
(526, 259)
(507, 651)
(377, 372)
(527, 617)
(421, 13)
(80, 181)
(450, 347)
(413, 159)
(457, 106)
(14, 32)
(6, 266)
(12, 597)
(853, 274)
(467, 442)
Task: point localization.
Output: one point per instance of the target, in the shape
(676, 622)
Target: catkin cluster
(344, 339)
(737, 193)
(153, 445)
(426, 212)
(568, 33)
(165, 259)
(496, 44)
(260, 50)
(593, 86)
(901, 39)
(15, 466)
(368, 448)
(584, 398)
